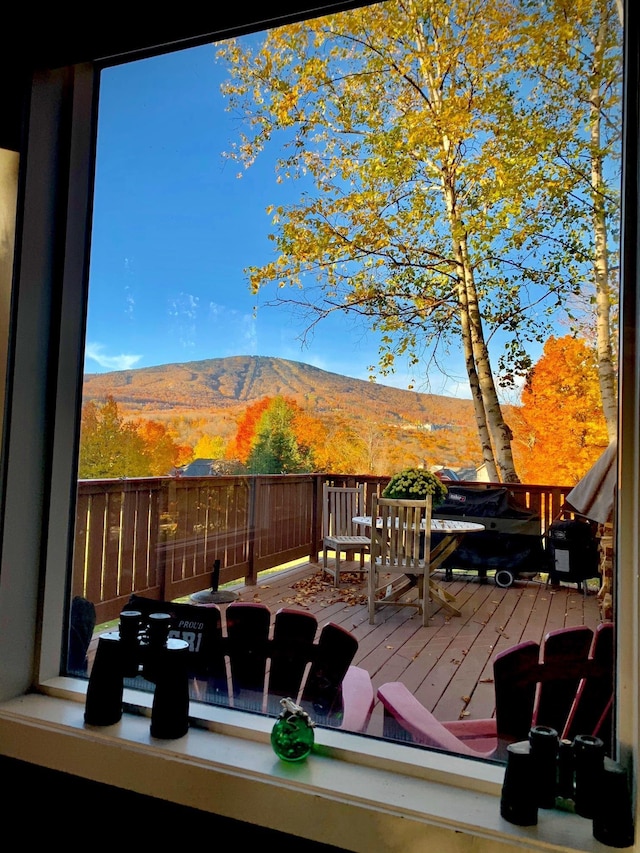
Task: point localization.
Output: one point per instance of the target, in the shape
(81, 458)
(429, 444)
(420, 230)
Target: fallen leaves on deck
(464, 713)
(316, 589)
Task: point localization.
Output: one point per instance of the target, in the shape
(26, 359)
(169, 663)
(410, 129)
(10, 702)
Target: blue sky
(174, 228)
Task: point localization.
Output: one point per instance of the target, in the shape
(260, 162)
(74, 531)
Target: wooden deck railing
(160, 536)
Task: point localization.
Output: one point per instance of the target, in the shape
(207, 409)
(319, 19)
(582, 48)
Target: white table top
(438, 525)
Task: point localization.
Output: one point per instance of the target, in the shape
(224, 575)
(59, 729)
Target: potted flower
(414, 484)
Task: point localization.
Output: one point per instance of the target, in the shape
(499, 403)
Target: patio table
(453, 532)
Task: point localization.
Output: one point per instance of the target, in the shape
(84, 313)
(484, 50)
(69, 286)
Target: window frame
(39, 483)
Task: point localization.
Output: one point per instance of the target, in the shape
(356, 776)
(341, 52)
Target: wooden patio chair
(400, 546)
(567, 684)
(267, 663)
(340, 504)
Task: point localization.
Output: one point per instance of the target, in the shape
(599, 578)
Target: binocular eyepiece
(143, 648)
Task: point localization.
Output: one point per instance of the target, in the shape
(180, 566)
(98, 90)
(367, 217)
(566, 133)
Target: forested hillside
(208, 397)
(230, 383)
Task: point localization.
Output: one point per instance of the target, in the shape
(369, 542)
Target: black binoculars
(546, 772)
(141, 648)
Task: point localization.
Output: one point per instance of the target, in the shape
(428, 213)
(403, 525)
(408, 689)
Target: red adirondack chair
(267, 665)
(567, 684)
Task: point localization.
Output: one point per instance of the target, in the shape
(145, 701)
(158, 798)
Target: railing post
(157, 549)
(252, 576)
(316, 519)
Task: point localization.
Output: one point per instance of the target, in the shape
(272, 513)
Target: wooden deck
(447, 665)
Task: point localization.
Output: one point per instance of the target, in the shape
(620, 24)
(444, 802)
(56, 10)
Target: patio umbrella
(593, 496)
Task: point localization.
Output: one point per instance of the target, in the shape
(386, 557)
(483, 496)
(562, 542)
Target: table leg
(437, 556)
(444, 598)
(446, 546)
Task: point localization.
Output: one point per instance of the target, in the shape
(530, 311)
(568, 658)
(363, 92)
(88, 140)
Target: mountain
(228, 385)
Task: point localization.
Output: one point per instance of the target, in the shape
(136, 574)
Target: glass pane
(408, 200)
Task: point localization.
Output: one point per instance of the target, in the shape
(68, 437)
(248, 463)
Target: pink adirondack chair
(265, 665)
(566, 683)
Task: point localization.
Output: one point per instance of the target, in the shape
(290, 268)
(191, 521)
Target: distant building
(197, 468)
(470, 475)
(429, 427)
(481, 474)
(209, 468)
(446, 474)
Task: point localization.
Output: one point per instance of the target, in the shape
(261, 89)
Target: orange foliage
(310, 432)
(161, 447)
(239, 447)
(560, 430)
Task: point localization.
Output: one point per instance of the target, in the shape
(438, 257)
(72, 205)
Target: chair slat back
(592, 710)
(264, 665)
(403, 537)
(339, 505)
(566, 684)
(565, 661)
(291, 650)
(201, 627)
(248, 627)
(322, 695)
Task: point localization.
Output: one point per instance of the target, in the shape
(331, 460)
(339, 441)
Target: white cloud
(129, 303)
(250, 333)
(184, 308)
(112, 362)
(184, 305)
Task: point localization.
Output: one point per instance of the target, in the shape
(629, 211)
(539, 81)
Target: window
(40, 476)
(174, 230)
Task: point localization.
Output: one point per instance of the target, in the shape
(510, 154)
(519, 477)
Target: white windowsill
(352, 792)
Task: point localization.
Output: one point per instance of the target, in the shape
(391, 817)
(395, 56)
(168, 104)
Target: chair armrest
(479, 735)
(357, 699)
(412, 716)
(465, 729)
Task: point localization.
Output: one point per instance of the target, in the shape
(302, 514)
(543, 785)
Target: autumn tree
(277, 431)
(344, 449)
(423, 205)
(162, 450)
(276, 449)
(109, 446)
(561, 424)
(240, 445)
(210, 447)
(574, 60)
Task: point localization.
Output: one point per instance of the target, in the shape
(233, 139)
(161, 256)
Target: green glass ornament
(292, 735)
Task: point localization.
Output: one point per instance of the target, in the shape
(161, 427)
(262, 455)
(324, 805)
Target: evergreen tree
(276, 449)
